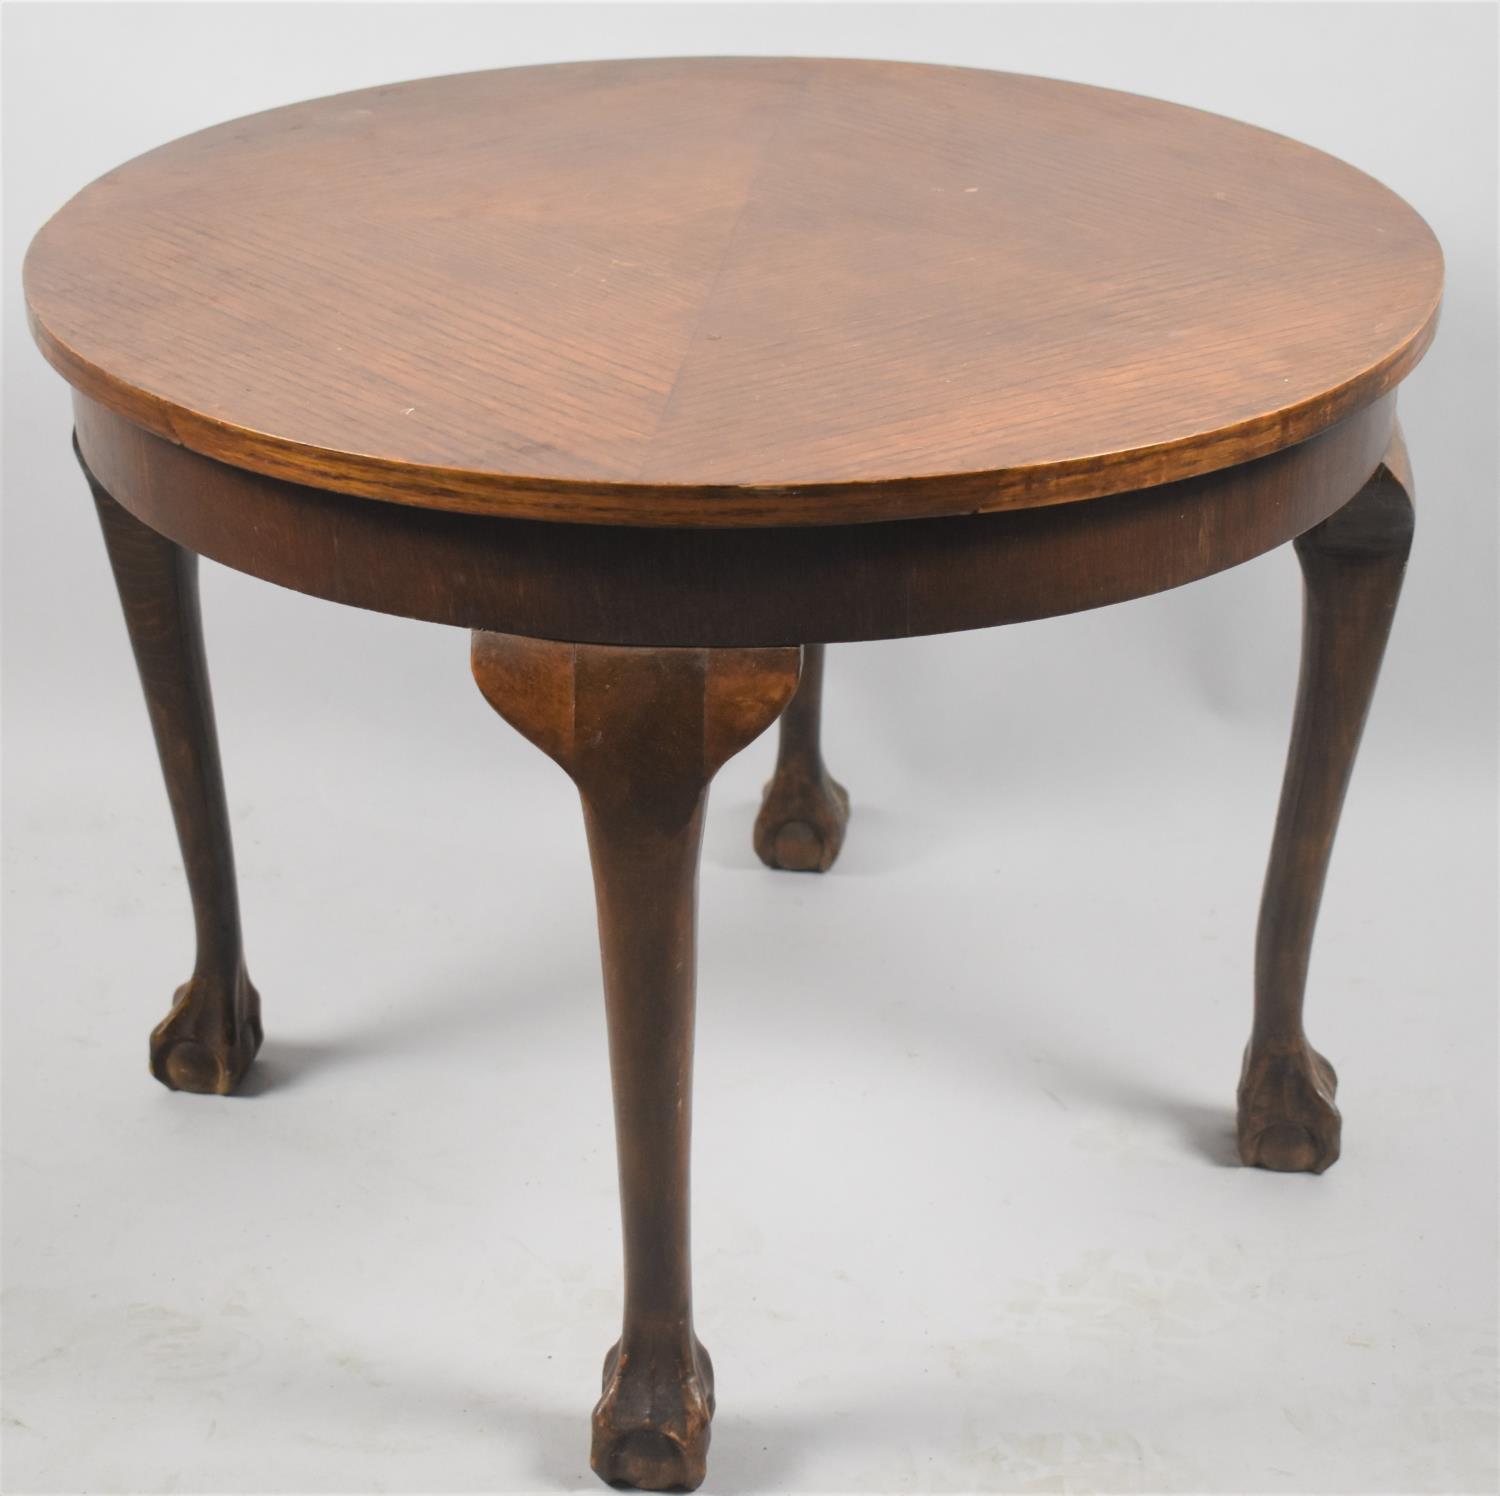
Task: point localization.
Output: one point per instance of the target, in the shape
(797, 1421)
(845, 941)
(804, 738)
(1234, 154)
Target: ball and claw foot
(1287, 1119)
(651, 1427)
(800, 828)
(206, 1043)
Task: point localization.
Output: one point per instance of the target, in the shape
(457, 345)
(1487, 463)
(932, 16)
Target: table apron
(730, 588)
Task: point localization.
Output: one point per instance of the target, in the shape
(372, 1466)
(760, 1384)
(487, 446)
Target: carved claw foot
(206, 1043)
(802, 818)
(1352, 566)
(642, 732)
(651, 1427)
(1287, 1119)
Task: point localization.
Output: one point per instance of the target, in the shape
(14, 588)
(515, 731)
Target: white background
(966, 1212)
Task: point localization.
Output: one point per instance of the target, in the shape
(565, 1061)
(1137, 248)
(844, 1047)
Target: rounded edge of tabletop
(713, 505)
(719, 506)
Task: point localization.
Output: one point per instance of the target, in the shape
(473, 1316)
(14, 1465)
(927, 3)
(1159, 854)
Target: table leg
(805, 810)
(207, 1041)
(642, 733)
(1352, 567)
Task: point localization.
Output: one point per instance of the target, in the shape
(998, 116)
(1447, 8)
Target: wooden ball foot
(651, 1427)
(800, 828)
(206, 1043)
(1287, 1119)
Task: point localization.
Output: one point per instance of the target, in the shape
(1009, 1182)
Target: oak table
(660, 376)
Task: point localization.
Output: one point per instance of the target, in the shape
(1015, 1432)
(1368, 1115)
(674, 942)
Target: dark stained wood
(734, 292)
(207, 1041)
(801, 352)
(804, 811)
(1352, 565)
(640, 586)
(642, 733)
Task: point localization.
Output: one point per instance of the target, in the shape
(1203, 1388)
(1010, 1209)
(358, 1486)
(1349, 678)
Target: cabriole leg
(1352, 566)
(805, 810)
(207, 1041)
(642, 732)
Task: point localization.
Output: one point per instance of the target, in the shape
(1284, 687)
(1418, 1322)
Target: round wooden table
(662, 375)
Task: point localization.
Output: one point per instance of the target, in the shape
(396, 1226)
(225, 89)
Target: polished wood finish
(642, 733)
(662, 375)
(734, 292)
(1352, 567)
(637, 586)
(208, 1039)
(805, 810)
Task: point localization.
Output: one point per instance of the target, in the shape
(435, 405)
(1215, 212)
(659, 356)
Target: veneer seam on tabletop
(853, 249)
(724, 258)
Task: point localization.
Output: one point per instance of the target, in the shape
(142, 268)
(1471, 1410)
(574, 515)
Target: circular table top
(734, 291)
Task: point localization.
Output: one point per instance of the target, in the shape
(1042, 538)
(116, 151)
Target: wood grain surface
(1352, 568)
(642, 732)
(213, 1031)
(734, 292)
